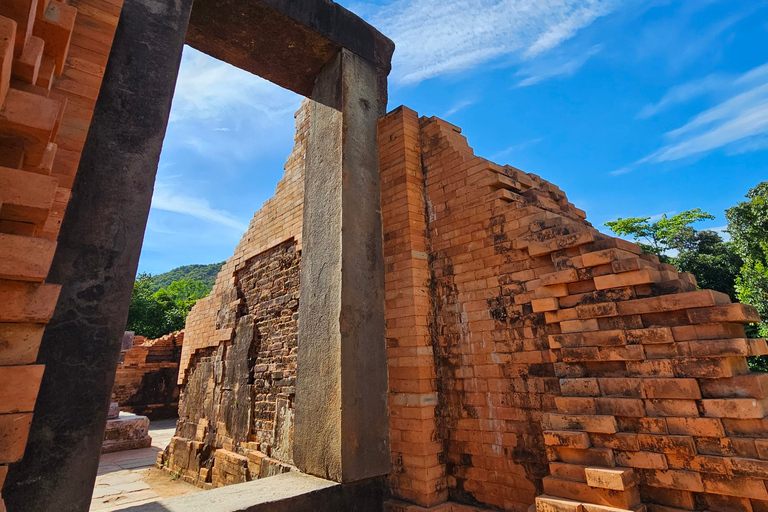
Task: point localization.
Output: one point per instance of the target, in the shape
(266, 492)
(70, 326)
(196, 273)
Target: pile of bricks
(145, 382)
(52, 59)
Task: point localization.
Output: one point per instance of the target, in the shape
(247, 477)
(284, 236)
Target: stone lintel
(285, 41)
(342, 424)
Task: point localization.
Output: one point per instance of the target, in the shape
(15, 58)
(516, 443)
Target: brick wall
(52, 60)
(240, 348)
(533, 361)
(145, 382)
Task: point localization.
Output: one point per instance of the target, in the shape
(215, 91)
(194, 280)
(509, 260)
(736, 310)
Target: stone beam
(342, 427)
(96, 261)
(285, 41)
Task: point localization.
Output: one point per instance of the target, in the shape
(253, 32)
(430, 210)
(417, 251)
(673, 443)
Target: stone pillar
(342, 427)
(96, 260)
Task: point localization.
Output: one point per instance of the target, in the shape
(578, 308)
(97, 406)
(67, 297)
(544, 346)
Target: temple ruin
(405, 326)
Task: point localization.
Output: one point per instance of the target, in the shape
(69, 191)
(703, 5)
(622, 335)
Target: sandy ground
(130, 478)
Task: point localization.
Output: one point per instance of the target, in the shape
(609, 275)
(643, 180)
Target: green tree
(748, 226)
(146, 315)
(665, 234)
(714, 262)
(155, 313)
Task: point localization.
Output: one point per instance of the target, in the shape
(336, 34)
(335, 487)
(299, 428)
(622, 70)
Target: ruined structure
(531, 358)
(528, 360)
(145, 381)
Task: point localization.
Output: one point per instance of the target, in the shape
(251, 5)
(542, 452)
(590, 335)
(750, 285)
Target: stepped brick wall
(145, 382)
(52, 59)
(240, 348)
(533, 361)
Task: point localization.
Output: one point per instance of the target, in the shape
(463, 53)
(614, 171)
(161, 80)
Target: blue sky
(632, 107)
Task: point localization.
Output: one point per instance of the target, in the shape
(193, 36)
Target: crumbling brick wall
(145, 382)
(238, 364)
(52, 60)
(532, 359)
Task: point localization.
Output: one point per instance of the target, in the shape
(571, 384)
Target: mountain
(204, 273)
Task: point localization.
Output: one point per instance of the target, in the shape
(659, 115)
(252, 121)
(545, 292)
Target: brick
(743, 408)
(626, 279)
(672, 388)
(27, 302)
(14, 429)
(617, 479)
(7, 39)
(25, 258)
(584, 493)
(647, 460)
(546, 503)
(681, 445)
(672, 479)
(32, 118)
(702, 427)
(565, 438)
(579, 387)
(739, 487)
(27, 66)
(671, 407)
(736, 313)
(650, 336)
(542, 305)
(753, 385)
(600, 424)
(18, 387)
(55, 28)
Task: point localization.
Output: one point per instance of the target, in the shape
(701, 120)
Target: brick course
(52, 60)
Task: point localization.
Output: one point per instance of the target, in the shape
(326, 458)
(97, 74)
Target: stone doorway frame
(315, 48)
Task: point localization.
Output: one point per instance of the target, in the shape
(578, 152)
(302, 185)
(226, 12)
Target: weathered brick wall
(52, 60)
(238, 364)
(532, 360)
(566, 364)
(145, 382)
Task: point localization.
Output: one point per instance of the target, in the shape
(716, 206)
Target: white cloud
(165, 198)
(461, 105)
(435, 37)
(544, 70)
(738, 123)
(516, 147)
(208, 89)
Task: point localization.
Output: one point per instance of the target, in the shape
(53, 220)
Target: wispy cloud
(740, 121)
(165, 198)
(435, 37)
(460, 105)
(208, 89)
(559, 66)
(516, 147)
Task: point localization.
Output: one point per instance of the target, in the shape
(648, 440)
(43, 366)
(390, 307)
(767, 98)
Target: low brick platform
(126, 432)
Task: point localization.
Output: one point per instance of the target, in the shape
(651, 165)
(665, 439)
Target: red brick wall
(145, 382)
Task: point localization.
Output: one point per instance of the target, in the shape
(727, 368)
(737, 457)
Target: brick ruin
(532, 359)
(145, 382)
(52, 59)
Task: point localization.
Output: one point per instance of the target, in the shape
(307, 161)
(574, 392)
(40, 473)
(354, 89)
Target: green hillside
(204, 273)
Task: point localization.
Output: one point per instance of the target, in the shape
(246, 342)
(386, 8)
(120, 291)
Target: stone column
(96, 260)
(342, 427)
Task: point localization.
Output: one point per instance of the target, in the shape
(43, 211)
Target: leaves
(155, 313)
(665, 234)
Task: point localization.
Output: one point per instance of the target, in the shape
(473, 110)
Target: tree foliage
(704, 254)
(205, 273)
(156, 312)
(748, 226)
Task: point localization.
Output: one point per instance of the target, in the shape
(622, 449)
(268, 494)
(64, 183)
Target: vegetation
(738, 267)
(205, 273)
(159, 310)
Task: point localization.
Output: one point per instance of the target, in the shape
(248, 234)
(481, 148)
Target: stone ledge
(289, 492)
